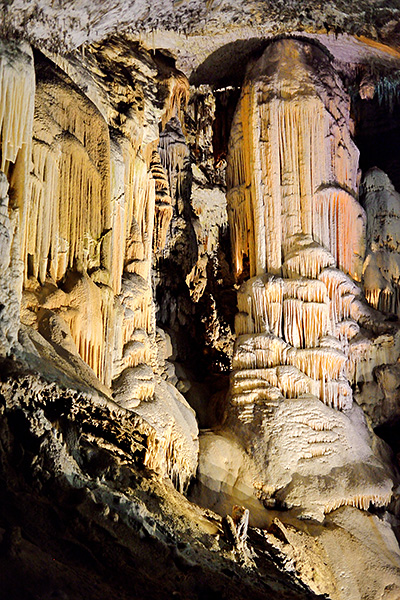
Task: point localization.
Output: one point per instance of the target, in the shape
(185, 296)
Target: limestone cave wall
(199, 318)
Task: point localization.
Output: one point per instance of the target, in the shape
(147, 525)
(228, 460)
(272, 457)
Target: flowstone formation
(87, 201)
(292, 436)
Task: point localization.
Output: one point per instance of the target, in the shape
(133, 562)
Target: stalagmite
(381, 269)
(298, 245)
(286, 145)
(163, 206)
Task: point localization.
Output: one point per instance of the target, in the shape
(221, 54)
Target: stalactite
(302, 305)
(288, 141)
(306, 259)
(293, 322)
(174, 155)
(17, 93)
(315, 322)
(139, 216)
(91, 210)
(164, 455)
(178, 97)
(364, 354)
(80, 222)
(339, 224)
(163, 206)
(42, 214)
(292, 179)
(118, 213)
(87, 308)
(318, 363)
(135, 320)
(342, 291)
(68, 214)
(381, 269)
(361, 501)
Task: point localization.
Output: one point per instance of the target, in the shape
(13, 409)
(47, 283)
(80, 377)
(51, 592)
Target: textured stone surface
(113, 220)
(82, 516)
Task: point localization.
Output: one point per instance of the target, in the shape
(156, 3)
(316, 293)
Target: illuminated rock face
(298, 232)
(96, 182)
(293, 168)
(84, 200)
(381, 270)
(17, 86)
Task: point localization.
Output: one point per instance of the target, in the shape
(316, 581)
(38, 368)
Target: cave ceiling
(208, 37)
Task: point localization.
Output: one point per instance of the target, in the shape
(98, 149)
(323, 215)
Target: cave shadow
(227, 65)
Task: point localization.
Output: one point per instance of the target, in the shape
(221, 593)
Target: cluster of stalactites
(361, 501)
(68, 208)
(139, 212)
(175, 159)
(88, 310)
(17, 93)
(163, 206)
(266, 369)
(339, 224)
(305, 323)
(178, 97)
(166, 455)
(298, 310)
(381, 270)
(90, 210)
(290, 161)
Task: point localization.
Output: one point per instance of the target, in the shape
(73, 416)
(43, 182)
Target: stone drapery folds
(298, 237)
(87, 196)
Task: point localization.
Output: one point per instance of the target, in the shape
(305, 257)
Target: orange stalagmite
(292, 180)
(288, 142)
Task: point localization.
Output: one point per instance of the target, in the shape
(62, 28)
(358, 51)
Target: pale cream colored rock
(134, 385)
(226, 477)
(10, 272)
(86, 203)
(299, 233)
(353, 555)
(381, 270)
(300, 454)
(173, 436)
(358, 542)
(17, 93)
(289, 142)
(209, 206)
